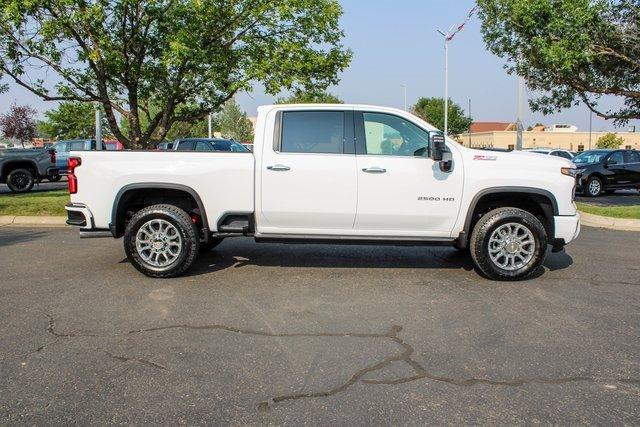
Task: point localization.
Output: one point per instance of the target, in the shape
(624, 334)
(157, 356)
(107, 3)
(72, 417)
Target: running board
(355, 240)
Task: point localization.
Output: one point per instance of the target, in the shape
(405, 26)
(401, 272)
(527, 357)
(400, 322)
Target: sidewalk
(32, 221)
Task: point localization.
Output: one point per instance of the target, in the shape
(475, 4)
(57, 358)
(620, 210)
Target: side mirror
(611, 162)
(437, 146)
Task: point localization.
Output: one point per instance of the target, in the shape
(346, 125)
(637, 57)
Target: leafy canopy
(302, 97)
(158, 62)
(432, 110)
(71, 120)
(19, 123)
(570, 51)
(610, 140)
(233, 123)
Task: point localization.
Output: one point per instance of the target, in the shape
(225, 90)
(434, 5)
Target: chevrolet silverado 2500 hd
(329, 173)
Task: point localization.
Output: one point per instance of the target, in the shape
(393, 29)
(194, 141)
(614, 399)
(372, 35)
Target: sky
(395, 43)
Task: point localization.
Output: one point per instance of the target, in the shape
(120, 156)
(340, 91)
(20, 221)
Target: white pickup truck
(331, 174)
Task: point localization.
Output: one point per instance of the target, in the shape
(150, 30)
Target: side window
(202, 146)
(76, 146)
(633, 157)
(61, 147)
(617, 156)
(186, 146)
(390, 135)
(312, 132)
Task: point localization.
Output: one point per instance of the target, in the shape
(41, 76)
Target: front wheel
(594, 186)
(161, 241)
(20, 180)
(508, 244)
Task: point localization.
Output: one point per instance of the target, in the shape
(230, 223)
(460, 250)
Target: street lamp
(404, 87)
(448, 36)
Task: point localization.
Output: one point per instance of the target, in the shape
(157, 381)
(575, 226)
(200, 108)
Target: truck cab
(331, 173)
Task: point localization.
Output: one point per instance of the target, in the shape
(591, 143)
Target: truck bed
(223, 181)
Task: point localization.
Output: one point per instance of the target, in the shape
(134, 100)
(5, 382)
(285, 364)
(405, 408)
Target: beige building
(539, 138)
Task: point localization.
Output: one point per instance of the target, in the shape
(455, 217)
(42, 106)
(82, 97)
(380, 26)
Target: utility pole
(98, 126)
(210, 126)
(519, 125)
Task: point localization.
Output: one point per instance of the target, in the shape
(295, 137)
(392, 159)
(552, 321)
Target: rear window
(312, 132)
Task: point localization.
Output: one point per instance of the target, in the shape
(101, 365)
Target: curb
(620, 224)
(32, 221)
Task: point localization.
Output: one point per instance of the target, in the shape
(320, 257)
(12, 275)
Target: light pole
(519, 125)
(210, 126)
(98, 126)
(590, 126)
(448, 36)
(404, 87)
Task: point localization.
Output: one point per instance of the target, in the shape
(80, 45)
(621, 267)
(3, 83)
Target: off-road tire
(190, 242)
(20, 180)
(588, 190)
(485, 227)
(211, 243)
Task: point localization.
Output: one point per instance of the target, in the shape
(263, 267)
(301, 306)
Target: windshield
(590, 157)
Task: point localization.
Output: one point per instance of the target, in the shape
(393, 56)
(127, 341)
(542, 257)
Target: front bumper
(567, 229)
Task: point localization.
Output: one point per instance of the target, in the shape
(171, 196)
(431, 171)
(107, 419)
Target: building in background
(563, 136)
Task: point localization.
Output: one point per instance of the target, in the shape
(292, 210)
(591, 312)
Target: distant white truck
(334, 174)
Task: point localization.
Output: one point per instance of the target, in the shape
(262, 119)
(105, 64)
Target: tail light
(52, 155)
(72, 164)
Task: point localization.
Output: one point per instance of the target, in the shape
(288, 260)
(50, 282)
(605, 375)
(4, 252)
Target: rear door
(632, 164)
(308, 174)
(401, 191)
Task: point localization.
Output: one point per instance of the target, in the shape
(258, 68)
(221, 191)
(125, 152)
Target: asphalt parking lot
(268, 333)
(618, 198)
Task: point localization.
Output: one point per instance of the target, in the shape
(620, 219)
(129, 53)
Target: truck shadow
(238, 253)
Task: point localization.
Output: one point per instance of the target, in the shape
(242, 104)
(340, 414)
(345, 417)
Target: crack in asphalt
(135, 359)
(393, 334)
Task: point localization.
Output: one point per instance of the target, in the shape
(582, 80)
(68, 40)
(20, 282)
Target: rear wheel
(508, 244)
(20, 180)
(54, 177)
(161, 241)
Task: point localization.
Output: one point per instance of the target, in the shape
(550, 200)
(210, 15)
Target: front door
(309, 174)
(618, 175)
(401, 191)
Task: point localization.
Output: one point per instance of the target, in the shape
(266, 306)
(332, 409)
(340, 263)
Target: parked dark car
(20, 169)
(607, 171)
(203, 144)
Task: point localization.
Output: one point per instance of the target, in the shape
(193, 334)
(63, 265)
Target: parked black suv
(607, 171)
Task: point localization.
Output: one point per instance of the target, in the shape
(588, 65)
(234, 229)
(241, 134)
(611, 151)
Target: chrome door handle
(374, 169)
(278, 168)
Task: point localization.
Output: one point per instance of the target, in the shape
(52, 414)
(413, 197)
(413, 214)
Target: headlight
(572, 172)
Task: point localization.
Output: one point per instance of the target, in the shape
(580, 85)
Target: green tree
(610, 140)
(570, 51)
(185, 57)
(432, 110)
(306, 97)
(180, 129)
(71, 120)
(233, 123)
